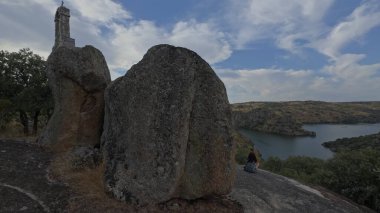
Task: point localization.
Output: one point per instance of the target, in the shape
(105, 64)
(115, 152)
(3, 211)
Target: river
(285, 146)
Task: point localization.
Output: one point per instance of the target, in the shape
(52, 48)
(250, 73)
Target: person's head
(251, 149)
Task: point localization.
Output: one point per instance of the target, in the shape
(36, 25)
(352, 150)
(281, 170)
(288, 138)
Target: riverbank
(355, 143)
(286, 146)
(287, 118)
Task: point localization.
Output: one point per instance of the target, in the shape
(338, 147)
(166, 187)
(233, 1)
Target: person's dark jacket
(252, 158)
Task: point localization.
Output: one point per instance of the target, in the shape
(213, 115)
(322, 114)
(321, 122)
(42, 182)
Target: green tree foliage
(354, 174)
(273, 164)
(23, 86)
(5, 104)
(297, 167)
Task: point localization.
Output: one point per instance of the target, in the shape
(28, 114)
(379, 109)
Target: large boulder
(77, 78)
(167, 131)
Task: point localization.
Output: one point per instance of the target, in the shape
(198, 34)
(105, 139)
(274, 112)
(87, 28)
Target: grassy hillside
(361, 142)
(287, 118)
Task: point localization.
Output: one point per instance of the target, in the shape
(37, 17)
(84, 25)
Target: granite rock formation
(268, 192)
(78, 78)
(167, 131)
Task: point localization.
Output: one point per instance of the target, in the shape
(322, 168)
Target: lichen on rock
(77, 78)
(168, 131)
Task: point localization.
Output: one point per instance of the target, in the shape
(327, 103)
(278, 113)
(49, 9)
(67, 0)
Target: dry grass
(15, 130)
(60, 148)
(86, 181)
(89, 194)
(88, 188)
(12, 130)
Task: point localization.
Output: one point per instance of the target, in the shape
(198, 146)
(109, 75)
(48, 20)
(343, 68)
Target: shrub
(273, 164)
(354, 174)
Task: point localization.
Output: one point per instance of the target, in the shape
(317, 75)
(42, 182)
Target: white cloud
(347, 67)
(283, 21)
(49, 5)
(26, 27)
(106, 25)
(345, 79)
(266, 84)
(291, 25)
(210, 43)
(285, 85)
(130, 43)
(100, 11)
(294, 25)
(361, 21)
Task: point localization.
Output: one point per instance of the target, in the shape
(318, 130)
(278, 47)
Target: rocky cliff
(287, 118)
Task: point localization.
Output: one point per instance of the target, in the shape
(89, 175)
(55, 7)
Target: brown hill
(287, 118)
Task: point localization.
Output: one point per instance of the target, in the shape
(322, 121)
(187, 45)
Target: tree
(356, 175)
(24, 84)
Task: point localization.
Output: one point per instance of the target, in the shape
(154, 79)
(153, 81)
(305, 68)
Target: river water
(285, 146)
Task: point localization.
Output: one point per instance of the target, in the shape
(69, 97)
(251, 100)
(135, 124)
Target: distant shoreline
(287, 118)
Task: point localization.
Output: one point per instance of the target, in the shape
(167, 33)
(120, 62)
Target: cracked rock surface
(267, 192)
(168, 130)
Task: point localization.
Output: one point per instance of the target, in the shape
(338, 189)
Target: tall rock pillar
(62, 28)
(77, 78)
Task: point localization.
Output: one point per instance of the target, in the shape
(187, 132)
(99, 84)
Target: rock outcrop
(78, 78)
(259, 192)
(168, 131)
(268, 192)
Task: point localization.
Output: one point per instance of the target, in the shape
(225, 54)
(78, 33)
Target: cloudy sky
(263, 50)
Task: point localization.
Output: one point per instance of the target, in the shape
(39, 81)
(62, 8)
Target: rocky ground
(26, 186)
(267, 192)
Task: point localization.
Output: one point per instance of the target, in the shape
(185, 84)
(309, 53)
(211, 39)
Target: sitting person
(252, 162)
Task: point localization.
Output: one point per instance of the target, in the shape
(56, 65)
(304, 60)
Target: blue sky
(263, 50)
